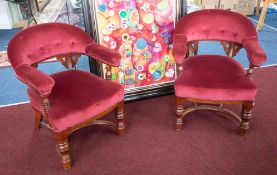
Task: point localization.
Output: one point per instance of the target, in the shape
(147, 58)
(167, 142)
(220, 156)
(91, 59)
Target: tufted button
(41, 48)
(235, 34)
(58, 43)
(21, 37)
(73, 43)
(28, 55)
(222, 30)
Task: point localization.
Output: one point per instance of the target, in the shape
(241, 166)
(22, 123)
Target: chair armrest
(38, 80)
(179, 48)
(255, 52)
(103, 54)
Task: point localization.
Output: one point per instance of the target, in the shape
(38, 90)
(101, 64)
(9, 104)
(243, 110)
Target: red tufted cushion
(214, 24)
(38, 43)
(43, 41)
(214, 77)
(76, 97)
(218, 25)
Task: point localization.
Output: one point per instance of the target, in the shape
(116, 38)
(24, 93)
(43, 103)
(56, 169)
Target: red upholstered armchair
(69, 100)
(210, 81)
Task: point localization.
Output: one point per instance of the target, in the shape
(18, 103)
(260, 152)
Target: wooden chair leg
(262, 15)
(258, 7)
(38, 118)
(246, 115)
(179, 110)
(62, 146)
(119, 115)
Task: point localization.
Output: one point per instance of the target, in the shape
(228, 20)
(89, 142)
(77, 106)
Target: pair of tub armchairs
(69, 100)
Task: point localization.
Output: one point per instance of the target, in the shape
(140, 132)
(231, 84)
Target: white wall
(5, 16)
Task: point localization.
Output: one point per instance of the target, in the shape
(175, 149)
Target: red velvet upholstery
(104, 54)
(220, 25)
(76, 97)
(179, 48)
(211, 77)
(215, 24)
(43, 41)
(254, 51)
(214, 77)
(38, 80)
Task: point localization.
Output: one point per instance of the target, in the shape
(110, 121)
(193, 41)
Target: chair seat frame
(231, 49)
(62, 144)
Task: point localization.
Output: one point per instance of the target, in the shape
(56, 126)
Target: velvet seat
(211, 81)
(71, 105)
(214, 77)
(69, 100)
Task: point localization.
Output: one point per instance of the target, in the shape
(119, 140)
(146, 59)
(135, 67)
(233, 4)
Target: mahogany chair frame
(62, 144)
(231, 49)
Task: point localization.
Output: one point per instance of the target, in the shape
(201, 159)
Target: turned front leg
(108, 74)
(179, 69)
(119, 115)
(38, 118)
(246, 115)
(179, 110)
(63, 149)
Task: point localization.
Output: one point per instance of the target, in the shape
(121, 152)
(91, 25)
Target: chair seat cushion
(214, 77)
(76, 97)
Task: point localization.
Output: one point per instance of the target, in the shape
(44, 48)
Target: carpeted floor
(209, 143)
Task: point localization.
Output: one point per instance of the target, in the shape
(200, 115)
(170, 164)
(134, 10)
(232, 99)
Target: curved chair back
(213, 24)
(44, 41)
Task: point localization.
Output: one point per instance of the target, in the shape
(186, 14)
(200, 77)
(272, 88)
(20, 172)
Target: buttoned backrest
(43, 41)
(213, 24)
